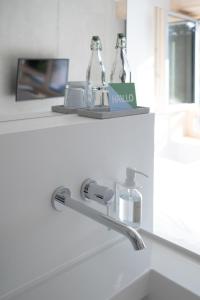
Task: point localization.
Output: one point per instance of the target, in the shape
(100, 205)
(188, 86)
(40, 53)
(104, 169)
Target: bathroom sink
(154, 286)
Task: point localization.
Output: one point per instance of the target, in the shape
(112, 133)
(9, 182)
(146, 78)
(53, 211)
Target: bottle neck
(120, 71)
(122, 53)
(96, 54)
(96, 65)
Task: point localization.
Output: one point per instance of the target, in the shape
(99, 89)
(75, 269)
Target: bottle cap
(96, 43)
(121, 41)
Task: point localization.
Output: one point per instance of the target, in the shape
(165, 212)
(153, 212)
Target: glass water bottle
(96, 76)
(120, 72)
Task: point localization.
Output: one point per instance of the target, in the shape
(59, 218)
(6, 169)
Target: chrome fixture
(62, 197)
(93, 191)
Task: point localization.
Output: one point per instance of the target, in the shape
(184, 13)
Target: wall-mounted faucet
(62, 197)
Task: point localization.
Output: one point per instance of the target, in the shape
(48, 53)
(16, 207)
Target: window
(181, 51)
(177, 129)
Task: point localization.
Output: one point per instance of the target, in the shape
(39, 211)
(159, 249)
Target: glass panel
(181, 35)
(177, 141)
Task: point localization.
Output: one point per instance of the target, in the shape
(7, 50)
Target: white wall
(141, 46)
(35, 239)
(51, 28)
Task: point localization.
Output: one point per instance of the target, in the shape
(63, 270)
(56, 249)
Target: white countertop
(37, 121)
(175, 262)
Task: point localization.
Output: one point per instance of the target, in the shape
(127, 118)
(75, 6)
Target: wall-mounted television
(41, 78)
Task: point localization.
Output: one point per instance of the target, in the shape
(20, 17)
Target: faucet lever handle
(93, 191)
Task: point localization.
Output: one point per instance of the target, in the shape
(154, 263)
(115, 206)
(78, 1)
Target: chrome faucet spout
(131, 233)
(112, 223)
(62, 197)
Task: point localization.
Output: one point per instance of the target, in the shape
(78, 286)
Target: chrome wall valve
(59, 198)
(93, 191)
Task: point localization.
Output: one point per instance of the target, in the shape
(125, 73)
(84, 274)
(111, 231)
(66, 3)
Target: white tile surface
(35, 239)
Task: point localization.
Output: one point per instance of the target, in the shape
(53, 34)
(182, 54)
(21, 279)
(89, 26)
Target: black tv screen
(41, 78)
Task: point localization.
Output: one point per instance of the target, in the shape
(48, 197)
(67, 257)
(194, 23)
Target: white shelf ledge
(22, 123)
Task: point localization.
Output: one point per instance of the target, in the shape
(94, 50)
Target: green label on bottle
(122, 96)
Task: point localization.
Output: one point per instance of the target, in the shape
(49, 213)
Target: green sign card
(122, 96)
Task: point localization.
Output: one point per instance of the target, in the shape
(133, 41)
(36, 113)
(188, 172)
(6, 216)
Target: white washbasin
(154, 286)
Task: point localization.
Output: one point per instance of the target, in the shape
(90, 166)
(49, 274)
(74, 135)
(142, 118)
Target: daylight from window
(177, 141)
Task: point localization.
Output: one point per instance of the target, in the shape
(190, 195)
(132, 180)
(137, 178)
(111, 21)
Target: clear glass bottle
(96, 75)
(129, 199)
(121, 72)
